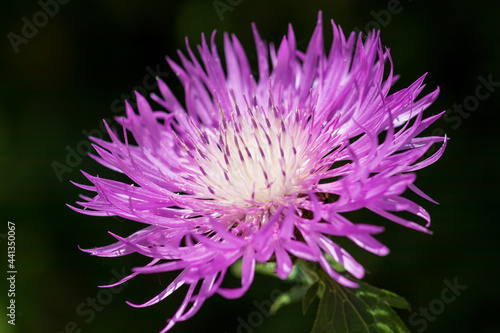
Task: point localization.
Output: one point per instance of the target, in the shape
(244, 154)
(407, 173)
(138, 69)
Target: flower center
(256, 159)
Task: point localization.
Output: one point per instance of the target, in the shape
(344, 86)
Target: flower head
(262, 169)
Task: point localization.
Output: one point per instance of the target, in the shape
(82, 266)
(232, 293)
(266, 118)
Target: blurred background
(64, 66)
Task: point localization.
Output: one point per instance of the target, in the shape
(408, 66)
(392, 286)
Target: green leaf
(364, 309)
(293, 295)
(267, 268)
(235, 269)
(309, 297)
(336, 266)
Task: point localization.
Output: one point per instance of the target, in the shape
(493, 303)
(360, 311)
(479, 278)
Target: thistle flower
(262, 169)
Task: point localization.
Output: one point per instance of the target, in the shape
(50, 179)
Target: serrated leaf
(366, 309)
(387, 296)
(309, 297)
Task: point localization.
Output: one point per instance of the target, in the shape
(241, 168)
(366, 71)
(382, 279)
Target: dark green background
(65, 79)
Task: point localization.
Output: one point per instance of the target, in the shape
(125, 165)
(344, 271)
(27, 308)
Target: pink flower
(263, 169)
